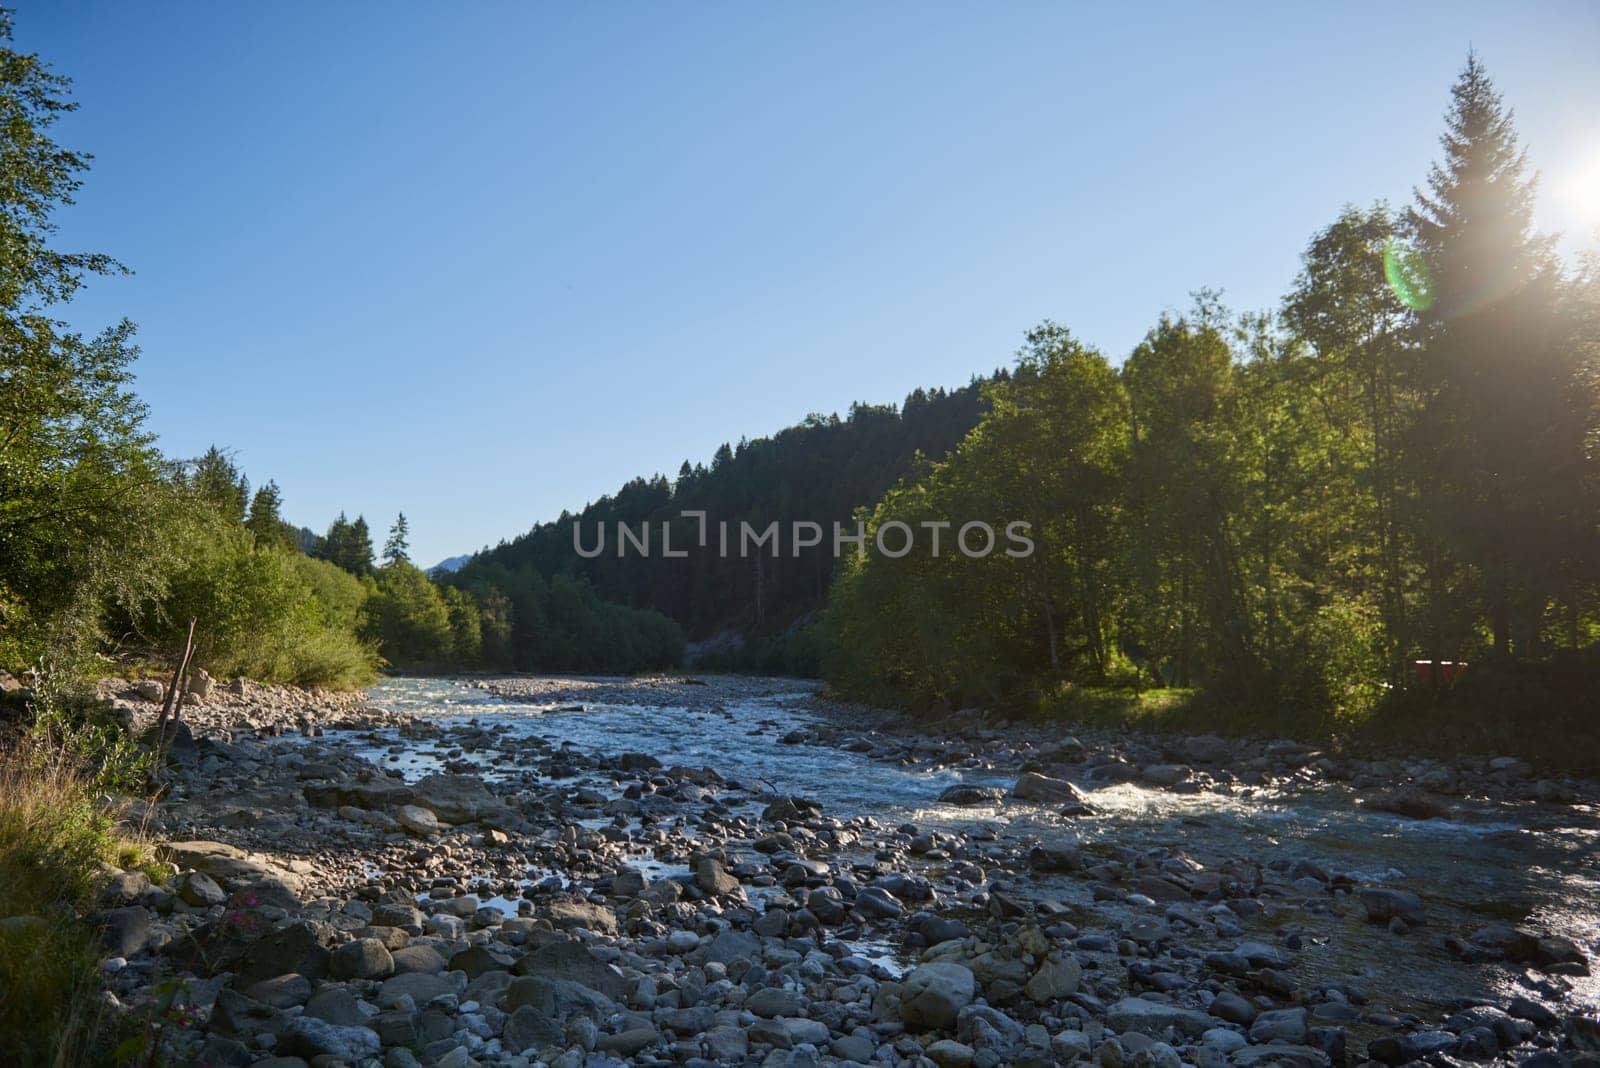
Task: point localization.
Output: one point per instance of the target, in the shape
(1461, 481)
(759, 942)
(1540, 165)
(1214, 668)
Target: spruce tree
(359, 554)
(1496, 440)
(395, 548)
(265, 520)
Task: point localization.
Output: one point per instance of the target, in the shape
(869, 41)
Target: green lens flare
(1407, 273)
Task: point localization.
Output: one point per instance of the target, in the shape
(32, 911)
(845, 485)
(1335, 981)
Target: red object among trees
(1447, 673)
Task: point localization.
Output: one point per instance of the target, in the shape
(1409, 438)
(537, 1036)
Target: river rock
(418, 820)
(529, 1029)
(775, 1001)
(200, 890)
(1153, 1017)
(420, 987)
(363, 958)
(937, 929)
(127, 931)
(948, 1053)
(1056, 855)
(933, 995)
(572, 962)
(1280, 1025)
(454, 798)
(713, 878)
(878, 903)
(1282, 1055)
(1041, 788)
(281, 991)
(966, 794)
(1411, 802)
(1385, 903)
(294, 948)
(570, 915)
(309, 1037)
(792, 809)
(1205, 749)
(1055, 980)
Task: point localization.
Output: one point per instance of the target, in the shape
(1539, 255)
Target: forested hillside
(1286, 510)
(819, 471)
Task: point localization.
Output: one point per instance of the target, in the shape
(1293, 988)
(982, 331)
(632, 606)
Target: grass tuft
(55, 845)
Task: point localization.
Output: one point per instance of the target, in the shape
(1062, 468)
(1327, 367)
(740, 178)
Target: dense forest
(1287, 509)
(821, 471)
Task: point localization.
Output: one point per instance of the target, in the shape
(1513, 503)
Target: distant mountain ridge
(450, 564)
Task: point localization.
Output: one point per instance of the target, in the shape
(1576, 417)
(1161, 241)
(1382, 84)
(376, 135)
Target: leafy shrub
(54, 844)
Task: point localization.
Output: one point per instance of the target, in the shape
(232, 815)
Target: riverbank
(446, 876)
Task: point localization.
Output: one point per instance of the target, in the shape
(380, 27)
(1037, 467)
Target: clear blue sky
(481, 262)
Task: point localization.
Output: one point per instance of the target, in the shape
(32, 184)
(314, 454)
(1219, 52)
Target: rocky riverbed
(735, 871)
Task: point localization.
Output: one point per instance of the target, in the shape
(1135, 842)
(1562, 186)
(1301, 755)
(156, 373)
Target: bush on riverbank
(55, 842)
(1546, 712)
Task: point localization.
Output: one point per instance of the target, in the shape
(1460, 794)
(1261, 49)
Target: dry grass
(55, 844)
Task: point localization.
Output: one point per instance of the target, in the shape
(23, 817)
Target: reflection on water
(1537, 864)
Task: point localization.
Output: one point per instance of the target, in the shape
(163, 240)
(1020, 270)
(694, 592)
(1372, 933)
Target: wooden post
(170, 707)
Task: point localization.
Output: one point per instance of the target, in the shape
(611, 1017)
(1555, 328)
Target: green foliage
(466, 626)
(217, 482)
(263, 612)
(265, 521)
(67, 725)
(529, 624)
(1277, 514)
(819, 471)
(348, 545)
(797, 652)
(954, 628)
(409, 619)
(54, 844)
(396, 547)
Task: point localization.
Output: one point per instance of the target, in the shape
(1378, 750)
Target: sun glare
(1576, 191)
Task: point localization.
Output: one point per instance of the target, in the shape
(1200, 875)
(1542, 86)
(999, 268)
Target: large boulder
(455, 798)
(1384, 904)
(253, 878)
(310, 1037)
(713, 878)
(415, 819)
(792, 809)
(127, 931)
(529, 1030)
(1154, 1017)
(570, 915)
(571, 962)
(293, 948)
(966, 794)
(932, 996)
(1043, 789)
(363, 958)
(556, 999)
(379, 794)
(1411, 802)
(1054, 980)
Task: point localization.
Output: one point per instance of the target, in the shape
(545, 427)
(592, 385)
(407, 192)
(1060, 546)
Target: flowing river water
(1526, 864)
